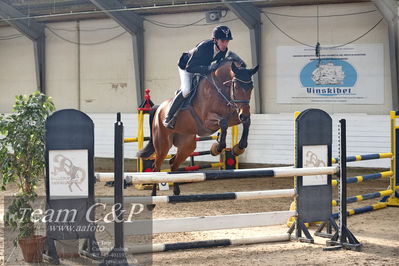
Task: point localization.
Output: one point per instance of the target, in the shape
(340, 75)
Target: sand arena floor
(377, 231)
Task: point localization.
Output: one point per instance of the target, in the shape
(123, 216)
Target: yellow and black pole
(394, 182)
(227, 159)
(140, 138)
(234, 141)
(143, 109)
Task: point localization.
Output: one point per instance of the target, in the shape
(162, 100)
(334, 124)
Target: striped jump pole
(394, 182)
(162, 177)
(358, 179)
(365, 157)
(357, 198)
(248, 195)
(129, 140)
(369, 208)
(368, 196)
(140, 249)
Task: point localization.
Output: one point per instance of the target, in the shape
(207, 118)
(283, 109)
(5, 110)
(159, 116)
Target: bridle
(233, 83)
(231, 101)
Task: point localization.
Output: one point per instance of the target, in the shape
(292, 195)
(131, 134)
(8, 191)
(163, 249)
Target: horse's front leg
(217, 148)
(239, 148)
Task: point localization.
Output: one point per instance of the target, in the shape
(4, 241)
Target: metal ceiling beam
(34, 31)
(250, 16)
(133, 24)
(389, 9)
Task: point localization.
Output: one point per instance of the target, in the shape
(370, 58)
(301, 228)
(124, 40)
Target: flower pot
(32, 248)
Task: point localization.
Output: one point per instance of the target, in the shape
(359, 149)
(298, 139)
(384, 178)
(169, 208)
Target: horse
(221, 100)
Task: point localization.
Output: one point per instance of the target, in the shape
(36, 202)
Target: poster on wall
(352, 74)
(68, 171)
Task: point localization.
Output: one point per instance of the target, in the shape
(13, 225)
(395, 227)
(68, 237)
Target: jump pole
(159, 177)
(394, 182)
(248, 195)
(209, 243)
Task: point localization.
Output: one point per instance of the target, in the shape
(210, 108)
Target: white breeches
(185, 81)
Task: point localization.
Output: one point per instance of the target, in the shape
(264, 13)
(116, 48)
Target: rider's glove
(213, 67)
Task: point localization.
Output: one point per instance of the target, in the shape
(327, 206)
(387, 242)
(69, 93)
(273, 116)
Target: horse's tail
(149, 149)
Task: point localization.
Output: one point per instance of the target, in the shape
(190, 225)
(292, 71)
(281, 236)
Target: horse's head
(241, 86)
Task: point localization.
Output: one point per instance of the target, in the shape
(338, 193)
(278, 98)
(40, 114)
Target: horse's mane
(232, 57)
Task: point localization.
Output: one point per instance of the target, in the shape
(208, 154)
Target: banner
(352, 74)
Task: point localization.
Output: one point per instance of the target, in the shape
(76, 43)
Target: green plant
(22, 159)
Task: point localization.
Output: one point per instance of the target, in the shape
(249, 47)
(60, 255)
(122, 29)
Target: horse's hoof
(214, 149)
(237, 150)
(151, 207)
(172, 159)
(176, 190)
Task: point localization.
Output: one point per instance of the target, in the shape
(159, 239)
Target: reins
(230, 102)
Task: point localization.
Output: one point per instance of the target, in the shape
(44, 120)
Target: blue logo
(328, 72)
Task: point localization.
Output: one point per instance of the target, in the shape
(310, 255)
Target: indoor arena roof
(65, 10)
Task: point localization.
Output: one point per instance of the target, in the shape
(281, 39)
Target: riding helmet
(222, 33)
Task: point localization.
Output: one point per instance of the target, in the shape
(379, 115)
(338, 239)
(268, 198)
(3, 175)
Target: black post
(117, 255)
(342, 185)
(342, 238)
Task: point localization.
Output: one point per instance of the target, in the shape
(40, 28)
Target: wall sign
(352, 74)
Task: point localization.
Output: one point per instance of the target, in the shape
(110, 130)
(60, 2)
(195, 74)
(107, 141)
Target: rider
(202, 59)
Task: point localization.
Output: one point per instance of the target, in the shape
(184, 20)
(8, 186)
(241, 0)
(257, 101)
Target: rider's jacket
(198, 59)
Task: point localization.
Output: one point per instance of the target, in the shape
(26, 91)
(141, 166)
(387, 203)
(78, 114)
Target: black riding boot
(170, 119)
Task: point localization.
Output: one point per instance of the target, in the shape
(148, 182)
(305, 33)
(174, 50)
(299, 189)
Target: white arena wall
(271, 137)
(97, 76)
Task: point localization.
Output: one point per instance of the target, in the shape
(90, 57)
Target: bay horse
(222, 100)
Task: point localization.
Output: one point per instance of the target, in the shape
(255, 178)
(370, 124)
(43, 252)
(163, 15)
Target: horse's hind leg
(162, 144)
(185, 146)
(156, 167)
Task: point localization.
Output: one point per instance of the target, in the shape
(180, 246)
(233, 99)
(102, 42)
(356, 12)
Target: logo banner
(352, 74)
(68, 174)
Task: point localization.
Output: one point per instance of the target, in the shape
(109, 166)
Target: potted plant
(22, 163)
